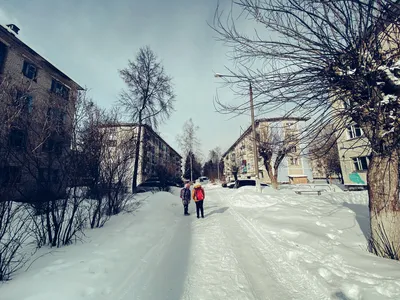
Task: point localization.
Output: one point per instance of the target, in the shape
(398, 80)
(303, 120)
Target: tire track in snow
(248, 260)
(300, 284)
(126, 286)
(214, 270)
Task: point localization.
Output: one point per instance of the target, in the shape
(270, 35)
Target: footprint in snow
(324, 273)
(58, 262)
(331, 236)
(290, 233)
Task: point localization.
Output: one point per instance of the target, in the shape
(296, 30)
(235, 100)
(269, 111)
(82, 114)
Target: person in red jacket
(198, 196)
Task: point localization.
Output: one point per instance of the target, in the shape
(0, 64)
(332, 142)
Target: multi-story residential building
(154, 151)
(295, 166)
(354, 155)
(37, 101)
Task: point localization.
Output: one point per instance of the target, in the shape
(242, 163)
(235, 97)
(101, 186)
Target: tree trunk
(235, 175)
(191, 168)
(272, 176)
(136, 166)
(274, 179)
(383, 191)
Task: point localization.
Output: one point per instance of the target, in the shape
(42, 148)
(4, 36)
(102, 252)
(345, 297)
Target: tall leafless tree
(335, 62)
(148, 98)
(189, 143)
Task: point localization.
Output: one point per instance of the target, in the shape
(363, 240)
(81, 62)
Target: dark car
(148, 186)
(247, 182)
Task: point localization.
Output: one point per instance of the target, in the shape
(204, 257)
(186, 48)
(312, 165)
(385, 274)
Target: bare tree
(51, 190)
(104, 157)
(212, 167)
(149, 96)
(189, 143)
(14, 223)
(274, 145)
(335, 62)
(324, 155)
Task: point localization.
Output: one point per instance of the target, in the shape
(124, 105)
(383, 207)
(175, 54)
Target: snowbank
(324, 237)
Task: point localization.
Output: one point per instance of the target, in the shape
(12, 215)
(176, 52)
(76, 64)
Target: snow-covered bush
(14, 233)
(59, 221)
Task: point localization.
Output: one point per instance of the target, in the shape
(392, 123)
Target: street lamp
(253, 126)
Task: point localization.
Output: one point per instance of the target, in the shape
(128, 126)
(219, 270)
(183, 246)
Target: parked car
(246, 182)
(230, 185)
(203, 180)
(148, 186)
(226, 184)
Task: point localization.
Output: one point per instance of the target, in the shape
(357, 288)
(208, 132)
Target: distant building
(154, 151)
(37, 101)
(295, 167)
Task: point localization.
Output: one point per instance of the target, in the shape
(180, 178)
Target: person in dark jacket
(198, 196)
(185, 196)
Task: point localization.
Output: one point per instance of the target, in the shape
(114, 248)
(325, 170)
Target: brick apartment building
(154, 151)
(37, 101)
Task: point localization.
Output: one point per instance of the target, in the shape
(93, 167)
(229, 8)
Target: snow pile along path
(323, 240)
(132, 257)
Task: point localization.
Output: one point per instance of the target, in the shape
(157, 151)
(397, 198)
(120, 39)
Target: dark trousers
(185, 209)
(199, 208)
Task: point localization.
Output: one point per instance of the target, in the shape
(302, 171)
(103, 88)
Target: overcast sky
(91, 39)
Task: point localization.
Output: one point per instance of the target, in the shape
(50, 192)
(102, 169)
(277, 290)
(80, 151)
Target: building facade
(294, 168)
(154, 152)
(37, 101)
(354, 155)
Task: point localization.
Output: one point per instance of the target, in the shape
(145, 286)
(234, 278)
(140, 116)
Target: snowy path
(249, 246)
(232, 259)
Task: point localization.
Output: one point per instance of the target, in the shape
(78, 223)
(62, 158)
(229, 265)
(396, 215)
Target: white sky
(91, 39)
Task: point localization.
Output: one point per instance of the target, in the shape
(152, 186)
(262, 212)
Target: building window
(294, 161)
(17, 138)
(56, 117)
(55, 176)
(49, 175)
(24, 101)
(354, 131)
(293, 149)
(10, 175)
(59, 89)
(3, 55)
(29, 70)
(42, 174)
(112, 143)
(52, 146)
(361, 163)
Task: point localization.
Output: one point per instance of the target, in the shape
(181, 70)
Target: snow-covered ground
(274, 245)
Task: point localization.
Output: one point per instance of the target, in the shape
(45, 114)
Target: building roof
(145, 126)
(10, 34)
(270, 120)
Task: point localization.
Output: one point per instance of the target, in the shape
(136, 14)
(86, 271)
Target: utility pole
(253, 126)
